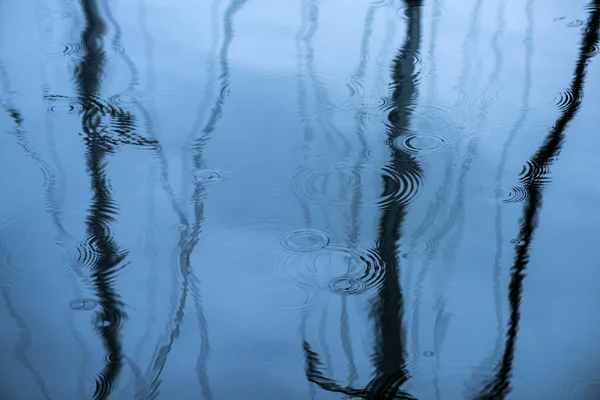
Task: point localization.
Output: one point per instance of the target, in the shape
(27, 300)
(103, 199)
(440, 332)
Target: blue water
(266, 199)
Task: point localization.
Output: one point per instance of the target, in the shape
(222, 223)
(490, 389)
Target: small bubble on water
(207, 176)
(83, 304)
(575, 23)
(428, 353)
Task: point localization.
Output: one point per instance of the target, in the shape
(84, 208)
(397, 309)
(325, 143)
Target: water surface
(261, 199)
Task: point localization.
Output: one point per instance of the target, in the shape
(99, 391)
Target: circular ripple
(400, 189)
(65, 106)
(207, 176)
(566, 99)
(304, 240)
(575, 23)
(535, 172)
(347, 285)
(428, 353)
(430, 12)
(421, 144)
(317, 185)
(503, 194)
(86, 253)
(127, 99)
(68, 51)
(83, 304)
(322, 93)
(511, 95)
(337, 268)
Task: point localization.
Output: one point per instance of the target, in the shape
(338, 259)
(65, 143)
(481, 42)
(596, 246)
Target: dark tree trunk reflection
(534, 182)
(387, 308)
(101, 138)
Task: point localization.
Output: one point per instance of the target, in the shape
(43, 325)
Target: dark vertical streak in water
(534, 182)
(103, 209)
(388, 305)
(496, 269)
(516, 128)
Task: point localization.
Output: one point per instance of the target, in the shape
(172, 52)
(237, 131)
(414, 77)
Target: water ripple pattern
(304, 240)
(83, 304)
(66, 52)
(503, 194)
(421, 144)
(337, 268)
(310, 186)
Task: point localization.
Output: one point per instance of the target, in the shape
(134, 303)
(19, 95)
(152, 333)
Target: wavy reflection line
(388, 307)
(306, 72)
(103, 209)
(310, 19)
(518, 125)
(144, 388)
(383, 55)
(52, 204)
(505, 148)
(458, 212)
(228, 35)
(302, 91)
(24, 334)
(50, 182)
(355, 206)
(209, 90)
(500, 386)
(132, 86)
(188, 240)
(24, 344)
(186, 245)
(323, 102)
(55, 200)
(441, 196)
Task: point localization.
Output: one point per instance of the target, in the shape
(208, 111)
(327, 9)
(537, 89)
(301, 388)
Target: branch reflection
(534, 182)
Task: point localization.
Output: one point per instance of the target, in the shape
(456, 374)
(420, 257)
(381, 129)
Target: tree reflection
(387, 308)
(101, 138)
(534, 182)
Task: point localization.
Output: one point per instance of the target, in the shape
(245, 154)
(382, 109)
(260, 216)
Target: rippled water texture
(303, 199)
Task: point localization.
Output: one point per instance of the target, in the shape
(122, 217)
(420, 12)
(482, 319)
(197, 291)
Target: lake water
(269, 199)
